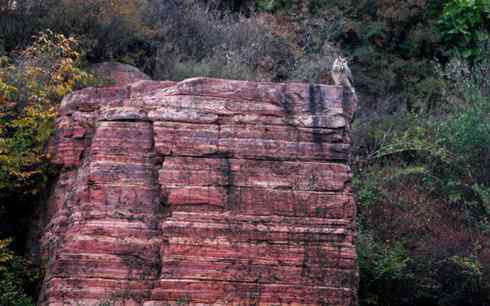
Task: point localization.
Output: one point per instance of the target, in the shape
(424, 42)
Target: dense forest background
(422, 135)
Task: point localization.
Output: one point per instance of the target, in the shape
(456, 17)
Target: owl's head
(339, 64)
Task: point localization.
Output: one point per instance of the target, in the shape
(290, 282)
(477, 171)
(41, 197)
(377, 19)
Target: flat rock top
(206, 98)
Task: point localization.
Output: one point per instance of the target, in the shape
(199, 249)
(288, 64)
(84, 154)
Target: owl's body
(342, 75)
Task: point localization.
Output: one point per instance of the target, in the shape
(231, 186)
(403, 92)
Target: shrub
(30, 88)
(17, 278)
(198, 41)
(107, 29)
(382, 267)
(465, 25)
(272, 5)
(426, 188)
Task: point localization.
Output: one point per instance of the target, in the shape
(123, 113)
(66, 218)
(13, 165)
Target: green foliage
(30, 88)
(107, 29)
(383, 266)
(16, 275)
(393, 45)
(453, 152)
(458, 133)
(368, 193)
(388, 262)
(5, 254)
(311, 6)
(467, 134)
(415, 139)
(465, 25)
(204, 43)
(468, 265)
(272, 5)
(423, 185)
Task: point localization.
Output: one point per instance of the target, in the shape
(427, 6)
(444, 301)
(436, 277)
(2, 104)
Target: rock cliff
(203, 192)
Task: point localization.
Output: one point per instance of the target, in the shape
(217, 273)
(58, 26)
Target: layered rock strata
(203, 192)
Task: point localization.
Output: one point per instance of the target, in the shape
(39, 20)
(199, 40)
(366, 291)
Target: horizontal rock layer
(203, 192)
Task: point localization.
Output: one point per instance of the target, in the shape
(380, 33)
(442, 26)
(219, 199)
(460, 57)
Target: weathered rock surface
(120, 74)
(205, 192)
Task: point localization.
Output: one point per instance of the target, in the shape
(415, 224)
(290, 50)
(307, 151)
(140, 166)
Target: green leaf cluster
(31, 86)
(465, 25)
(424, 201)
(16, 275)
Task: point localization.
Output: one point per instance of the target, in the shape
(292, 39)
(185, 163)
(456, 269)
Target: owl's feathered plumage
(342, 75)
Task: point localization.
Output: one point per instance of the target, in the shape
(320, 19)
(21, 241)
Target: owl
(341, 74)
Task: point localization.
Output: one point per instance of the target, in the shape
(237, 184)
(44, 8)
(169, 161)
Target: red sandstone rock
(206, 192)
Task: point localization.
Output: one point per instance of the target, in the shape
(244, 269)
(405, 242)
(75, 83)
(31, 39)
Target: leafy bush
(272, 5)
(16, 278)
(382, 267)
(453, 146)
(107, 29)
(202, 42)
(30, 88)
(465, 25)
(426, 188)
